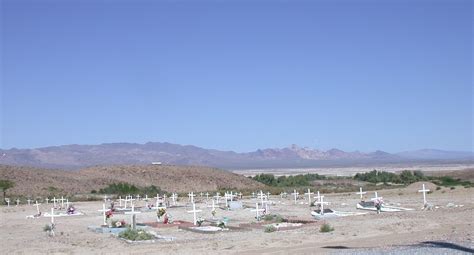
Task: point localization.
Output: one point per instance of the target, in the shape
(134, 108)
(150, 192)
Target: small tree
(5, 185)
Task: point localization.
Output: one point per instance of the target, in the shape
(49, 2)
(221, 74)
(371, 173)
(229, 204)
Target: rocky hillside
(34, 182)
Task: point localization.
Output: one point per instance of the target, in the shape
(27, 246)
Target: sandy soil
(25, 236)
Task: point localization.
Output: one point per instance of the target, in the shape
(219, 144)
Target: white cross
(29, 201)
(138, 197)
(296, 195)
(146, 197)
(191, 197)
(131, 199)
(318, 198)
(226, 196)
(266, 206)
(62, 202)
(52, 216)
(207, 195)
(37, 207)
(133, 218)
(253, 194)
(309, 193)
(120, 201)
(67, 202)
(262, 197)
(376, 197)
(201, 194)
(8, 201)
(174, 197)
(213, 205)
(240, 195)
(17, 202)
(194, 211)
(257, 211)
(361, 193)
(268, 195)
(217, 197)
(322, 203)
(54, 202)
(424, 193)
(105, 199)
(104, 210)
(125, 202)
(47, 200)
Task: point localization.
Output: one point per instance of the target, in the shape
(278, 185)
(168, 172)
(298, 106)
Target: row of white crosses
(423, 190)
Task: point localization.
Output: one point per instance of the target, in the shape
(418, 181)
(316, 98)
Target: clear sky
(238, 75)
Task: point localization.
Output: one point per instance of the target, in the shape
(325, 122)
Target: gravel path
(432, 247)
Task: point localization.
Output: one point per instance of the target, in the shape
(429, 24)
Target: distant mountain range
(80, 156)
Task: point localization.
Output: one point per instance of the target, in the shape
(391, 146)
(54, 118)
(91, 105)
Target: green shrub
(47, 228)
(135, 235)
(270, 228)
(126, 188)
(272, 217)
(268, 217)
(288, 181)
(326, 228)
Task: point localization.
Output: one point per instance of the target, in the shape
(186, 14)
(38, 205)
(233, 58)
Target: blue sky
(238, 75)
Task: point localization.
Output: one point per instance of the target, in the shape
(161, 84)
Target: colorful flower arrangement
(199, 221)
(109, 214)
(119, 224)
(71, 210)
(378, 204)
(160, 212)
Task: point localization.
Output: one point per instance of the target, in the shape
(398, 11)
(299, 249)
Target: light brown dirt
(32, 182)
(22, 236)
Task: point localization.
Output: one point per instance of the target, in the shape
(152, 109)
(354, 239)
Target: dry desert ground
(445, 224)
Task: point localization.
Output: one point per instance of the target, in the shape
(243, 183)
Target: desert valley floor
(452, 224)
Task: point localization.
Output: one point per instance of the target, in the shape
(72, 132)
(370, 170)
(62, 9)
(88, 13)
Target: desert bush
(5, 185)
(270, 228)
(126, 188)
(326, 228)
(273, 217)
(448, 181)
(135, 235)
(288, 181)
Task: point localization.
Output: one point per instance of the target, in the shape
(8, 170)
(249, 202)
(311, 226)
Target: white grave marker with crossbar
(424, 190)
(309, 193)
(37, 208)
(257, 211)
(194, 211)
(295, 194)
(133, 219)
(361, 193)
